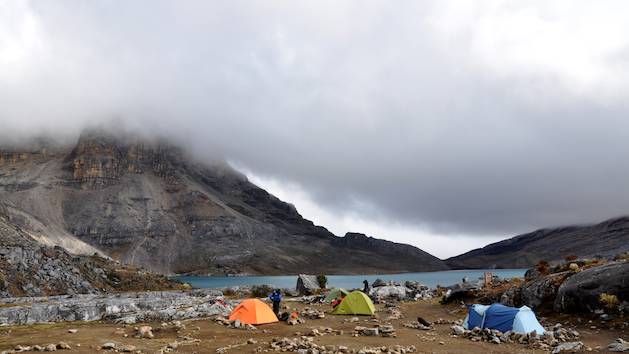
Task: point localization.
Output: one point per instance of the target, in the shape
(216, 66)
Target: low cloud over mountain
(438, 116)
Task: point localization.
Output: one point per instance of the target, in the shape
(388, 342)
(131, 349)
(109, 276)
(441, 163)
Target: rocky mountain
(607, 238)
(147, 203)
(28, 268)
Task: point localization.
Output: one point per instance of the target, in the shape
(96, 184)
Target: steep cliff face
(604, 239)
(100, 160)
(146, 203)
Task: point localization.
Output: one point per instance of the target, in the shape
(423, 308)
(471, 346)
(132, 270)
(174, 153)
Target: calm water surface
(431, 279)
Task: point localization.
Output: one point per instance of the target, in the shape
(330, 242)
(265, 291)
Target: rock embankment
(28, 268)
(120, 308)
(583, 290)
(601, 287)
(555, 339)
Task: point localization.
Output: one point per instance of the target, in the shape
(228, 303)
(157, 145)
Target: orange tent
(253, 311)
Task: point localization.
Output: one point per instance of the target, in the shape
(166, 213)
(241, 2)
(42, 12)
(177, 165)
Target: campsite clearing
(91, 336)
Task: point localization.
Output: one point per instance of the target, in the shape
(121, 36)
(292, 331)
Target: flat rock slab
(123, 307)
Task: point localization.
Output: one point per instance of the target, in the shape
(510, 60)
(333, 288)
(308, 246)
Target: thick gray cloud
(483, 119)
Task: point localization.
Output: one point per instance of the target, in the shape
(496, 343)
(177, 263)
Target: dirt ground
(90, 336)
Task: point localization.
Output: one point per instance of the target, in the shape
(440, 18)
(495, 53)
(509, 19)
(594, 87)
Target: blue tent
(502, 318)
(475, 316)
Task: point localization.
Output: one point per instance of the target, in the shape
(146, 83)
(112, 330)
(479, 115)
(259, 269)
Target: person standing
(276, 298)
(366, 287)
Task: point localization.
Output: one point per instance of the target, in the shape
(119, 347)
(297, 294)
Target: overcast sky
(444, 124)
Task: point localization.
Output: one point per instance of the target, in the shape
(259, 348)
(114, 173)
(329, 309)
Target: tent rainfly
(334, 294)
(253, 311)
(503, 318)
(355, 303)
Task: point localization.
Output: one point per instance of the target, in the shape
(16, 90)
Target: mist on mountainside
(457, 134)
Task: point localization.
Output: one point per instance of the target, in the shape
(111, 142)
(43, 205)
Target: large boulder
(581, 292)
(390, 292)
(378, 282)
(532, 274)
(307, 284)
(459, 292)
(511, 297)
(541, 291)
(619, 345)
(414, 285)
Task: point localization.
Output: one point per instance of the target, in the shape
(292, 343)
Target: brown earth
(91, 336)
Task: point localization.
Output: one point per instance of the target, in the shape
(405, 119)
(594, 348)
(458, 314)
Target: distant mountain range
(148, 204)
(607, 238)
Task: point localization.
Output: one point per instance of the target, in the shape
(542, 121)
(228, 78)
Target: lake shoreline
(238, 275)
(432, 279)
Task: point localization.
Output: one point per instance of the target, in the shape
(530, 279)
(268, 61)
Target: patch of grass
(610, 301)
(261, 291)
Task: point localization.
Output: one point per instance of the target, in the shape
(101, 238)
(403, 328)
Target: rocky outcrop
(390, 291)
(606, 239)
(581, 292)
(146, 203)
(459, 291)
(101, 159)
(574, 290)
(537, 292)
(619, 345)
(540, 291)
(307, 284)
(40, 271)
(120, 308)
(30, 269)
(38, 151)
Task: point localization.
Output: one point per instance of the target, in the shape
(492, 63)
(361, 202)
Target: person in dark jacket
(366, 287)
(276, 297)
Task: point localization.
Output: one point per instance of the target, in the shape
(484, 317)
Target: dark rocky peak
(359, 240)
(101, 158)
(402, 251)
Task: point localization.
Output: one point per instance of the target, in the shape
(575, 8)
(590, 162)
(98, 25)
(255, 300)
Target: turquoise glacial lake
(431, 279)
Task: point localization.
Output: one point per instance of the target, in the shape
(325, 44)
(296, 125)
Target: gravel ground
(206, 336)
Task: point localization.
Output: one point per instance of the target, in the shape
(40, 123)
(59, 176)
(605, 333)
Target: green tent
(334, 294)
(356, 303)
